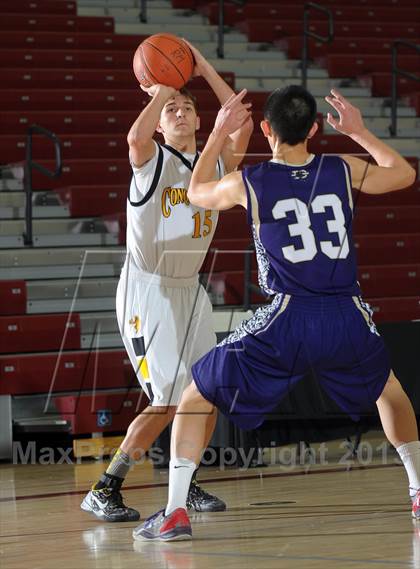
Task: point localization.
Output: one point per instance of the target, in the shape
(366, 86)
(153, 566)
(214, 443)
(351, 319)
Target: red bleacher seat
(371, 250)
(68, 40)
(72, 99)
(186, 4)
(334, 144)
(395, 309)
(62, 122)
(379, 249)
(352, 65)
(392, 219)
(85, 201)
(100, 99)
(270, 30)
(294, 11)
(389, 280)
(391, 309)
(40, 58)
(381, 219)
(375, 281)
(12, 147)
(79, 172)
(13, 297)
(38, 7)
(22, 374)
(383, 3)
(84, 78)
(408, 196)
(381, 84)
(365, 46)
(41, 332)
(82, 410)
(228, 255)
(232, 224)
(56, 23)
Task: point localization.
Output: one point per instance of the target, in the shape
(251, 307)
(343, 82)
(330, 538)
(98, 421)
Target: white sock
(410, 456)
(180, 474)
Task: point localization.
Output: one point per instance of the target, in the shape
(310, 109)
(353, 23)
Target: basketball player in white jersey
(164, 314)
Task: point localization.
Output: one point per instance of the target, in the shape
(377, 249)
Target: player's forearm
(219, 86)
(206, 166)
(144, 127)
(384, 155)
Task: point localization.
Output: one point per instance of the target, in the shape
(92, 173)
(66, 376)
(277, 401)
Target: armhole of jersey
(248, 197)
(155, 181)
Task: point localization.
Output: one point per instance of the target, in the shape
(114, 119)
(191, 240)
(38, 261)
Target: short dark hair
(291, 113)
(187, 93)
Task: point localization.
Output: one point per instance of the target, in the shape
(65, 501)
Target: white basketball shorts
(166, 326)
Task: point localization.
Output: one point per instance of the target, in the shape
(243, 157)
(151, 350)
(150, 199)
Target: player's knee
(192, 396)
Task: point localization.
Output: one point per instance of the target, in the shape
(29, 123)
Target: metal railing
(396, 71)
(143, 11)
(221, 26)
(308, 34)
(29, 166)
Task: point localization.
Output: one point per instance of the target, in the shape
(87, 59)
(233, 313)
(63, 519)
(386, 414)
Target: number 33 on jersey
(301, 218)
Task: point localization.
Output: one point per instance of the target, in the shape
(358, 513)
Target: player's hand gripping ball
(163, 59)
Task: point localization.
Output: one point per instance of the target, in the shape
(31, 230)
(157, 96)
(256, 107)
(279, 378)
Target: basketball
(164, 59)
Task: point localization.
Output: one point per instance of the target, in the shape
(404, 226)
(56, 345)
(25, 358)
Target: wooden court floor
(337, 514)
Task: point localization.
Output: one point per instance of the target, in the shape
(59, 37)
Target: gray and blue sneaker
(175, 527)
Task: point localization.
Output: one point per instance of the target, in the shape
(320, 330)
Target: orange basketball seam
(178, 41)
(175, 39)
(143, 61)
(165, 56)
(190, 55)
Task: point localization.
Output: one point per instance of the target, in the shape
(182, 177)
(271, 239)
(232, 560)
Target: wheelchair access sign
(104, 417)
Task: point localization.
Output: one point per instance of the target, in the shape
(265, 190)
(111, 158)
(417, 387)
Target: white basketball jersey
(166, 235)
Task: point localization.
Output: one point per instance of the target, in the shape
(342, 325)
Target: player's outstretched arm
(236, 144)
(141, 132)
(203, 191)
(392, 173)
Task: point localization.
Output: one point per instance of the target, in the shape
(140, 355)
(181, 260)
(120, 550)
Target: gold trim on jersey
(143, 367)
(135, 323)
(255, 210)
(174, 196)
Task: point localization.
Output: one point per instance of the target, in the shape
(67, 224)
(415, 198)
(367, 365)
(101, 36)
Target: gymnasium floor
(278, 517)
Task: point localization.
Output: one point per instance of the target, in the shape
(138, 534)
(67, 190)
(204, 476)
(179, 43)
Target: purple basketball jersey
(301, 217)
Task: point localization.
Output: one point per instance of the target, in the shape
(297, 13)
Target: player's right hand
(350, 121)
(164, 90)
(233, 114)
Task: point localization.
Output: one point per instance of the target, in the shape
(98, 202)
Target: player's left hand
(350, 121)
(201, 63)
(233, 114)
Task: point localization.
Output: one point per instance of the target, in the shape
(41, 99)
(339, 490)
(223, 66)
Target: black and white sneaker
(201, 501)
(107, 505)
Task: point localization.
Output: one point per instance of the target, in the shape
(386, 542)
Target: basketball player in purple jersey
(300, 209)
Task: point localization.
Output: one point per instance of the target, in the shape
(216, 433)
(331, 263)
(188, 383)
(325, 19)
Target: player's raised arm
(229, 191)
(141, 132)
(236, 143)
(392, 173)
